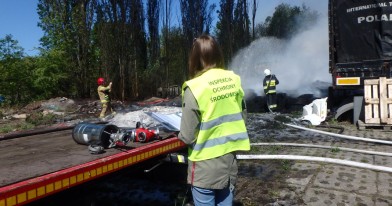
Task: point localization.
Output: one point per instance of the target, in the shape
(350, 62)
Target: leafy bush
(38, 118)
(16, 127)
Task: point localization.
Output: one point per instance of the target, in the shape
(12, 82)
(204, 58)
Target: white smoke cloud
(296, 63)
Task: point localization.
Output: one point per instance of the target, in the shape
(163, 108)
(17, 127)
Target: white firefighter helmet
(267, 72)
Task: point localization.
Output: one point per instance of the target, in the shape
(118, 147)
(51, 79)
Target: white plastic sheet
(315, 112)
(170, 121)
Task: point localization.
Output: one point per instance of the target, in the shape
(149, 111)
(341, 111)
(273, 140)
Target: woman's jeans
(209, 197)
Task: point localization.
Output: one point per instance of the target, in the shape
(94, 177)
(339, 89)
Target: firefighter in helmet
(103, 93)
(269, 83)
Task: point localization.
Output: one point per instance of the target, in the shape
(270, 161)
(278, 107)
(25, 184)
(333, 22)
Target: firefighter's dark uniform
(269, 84)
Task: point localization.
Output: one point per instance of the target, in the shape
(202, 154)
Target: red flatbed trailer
(36, 166)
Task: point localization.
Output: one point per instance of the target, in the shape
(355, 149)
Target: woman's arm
(190, 118)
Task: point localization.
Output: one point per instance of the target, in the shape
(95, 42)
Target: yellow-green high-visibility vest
(222, 129)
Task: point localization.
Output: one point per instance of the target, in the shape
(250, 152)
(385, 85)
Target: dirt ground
(288, 182)
(260, 182)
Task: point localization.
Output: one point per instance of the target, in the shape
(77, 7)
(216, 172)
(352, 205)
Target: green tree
(9, 48)
(177, 56)
(261, 28)
(165, 57)
(254, 12)
(282, 22)
(140, 87)
(153, 30)
(232, 28)
(241, 22)
(122, 46)
(196, 18)
(224, 28)
(49, 77)
(287, 21)
(67, 27)
(153, 45)
(15, 72)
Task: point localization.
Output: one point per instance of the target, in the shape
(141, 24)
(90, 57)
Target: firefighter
(269, 83)
(212, 124)
(103, 93)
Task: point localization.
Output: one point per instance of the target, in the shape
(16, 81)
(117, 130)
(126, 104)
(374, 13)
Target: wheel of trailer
(345, 112)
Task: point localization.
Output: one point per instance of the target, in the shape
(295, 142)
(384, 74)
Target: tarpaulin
(172, 122)
(361, 29)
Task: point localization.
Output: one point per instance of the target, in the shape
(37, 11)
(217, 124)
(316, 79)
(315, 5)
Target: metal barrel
(93, 134)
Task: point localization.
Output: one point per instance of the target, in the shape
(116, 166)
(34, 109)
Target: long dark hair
(205, 54)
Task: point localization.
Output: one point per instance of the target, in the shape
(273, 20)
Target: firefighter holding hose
(103, 93)
(212, 124)
(269, 83)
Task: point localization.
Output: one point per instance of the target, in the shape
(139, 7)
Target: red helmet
(100, 81)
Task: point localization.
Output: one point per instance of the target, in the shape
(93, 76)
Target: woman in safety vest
(212, 124)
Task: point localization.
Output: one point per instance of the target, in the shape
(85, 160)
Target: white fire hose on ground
(324, 159)
(316, 159)
(342, 136)
(325, 147)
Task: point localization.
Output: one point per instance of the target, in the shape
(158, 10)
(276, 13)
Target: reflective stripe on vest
(215, 122)
(272, 86)
(222, 130)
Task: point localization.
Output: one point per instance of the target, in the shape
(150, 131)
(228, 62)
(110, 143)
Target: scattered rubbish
(315, 112)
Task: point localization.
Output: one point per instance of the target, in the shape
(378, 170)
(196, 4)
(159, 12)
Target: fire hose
(324, 147)
(317, 159)
(323, 159)
(342, 136)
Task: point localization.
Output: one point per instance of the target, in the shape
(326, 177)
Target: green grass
(40, 119)
(335, 150)
(16, 127)
(33, 120)
(286, 165)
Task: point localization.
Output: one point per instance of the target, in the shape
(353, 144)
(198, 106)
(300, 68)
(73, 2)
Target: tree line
(133, 43)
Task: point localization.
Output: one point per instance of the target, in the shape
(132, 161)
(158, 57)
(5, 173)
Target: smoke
(297, 63)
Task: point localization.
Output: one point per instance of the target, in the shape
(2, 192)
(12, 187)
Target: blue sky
(19, 18)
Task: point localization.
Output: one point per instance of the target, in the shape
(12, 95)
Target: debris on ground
(62, 109)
